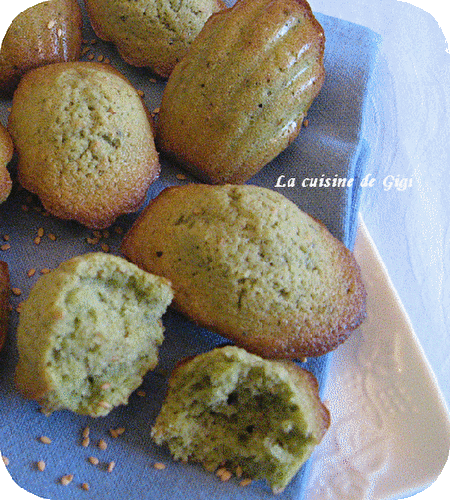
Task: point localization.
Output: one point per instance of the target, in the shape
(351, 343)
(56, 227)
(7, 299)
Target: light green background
(440, 10)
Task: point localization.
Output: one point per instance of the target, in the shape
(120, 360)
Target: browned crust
(4, 302)
(296, 338)
(39, 44)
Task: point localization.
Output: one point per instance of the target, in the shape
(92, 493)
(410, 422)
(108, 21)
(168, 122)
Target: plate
(390, 432)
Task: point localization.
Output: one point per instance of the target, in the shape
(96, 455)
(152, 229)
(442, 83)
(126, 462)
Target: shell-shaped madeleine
(240, 95)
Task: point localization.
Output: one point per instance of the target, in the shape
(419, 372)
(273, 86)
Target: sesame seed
(16, 291)
(67, 479)
(45, 440)
(245, 482)
(19, 307)
(102, 444)
(159, 466)
(93, 460)
(239, 471)
(117, 432)
(37, 240)
(86, 432)
(41, 232)
(224, 474)
(181, 177)
(111, 466)
(85, 442)
(45, 270)
(92, 241)
(85, 486)
(6, 237)
(100, 58)
(52, 237)
(31, 273)
(59, 32)
(90, 57)
(141, 393)
(305, 122)
(51, 24)
(41, 465)
(141, 93)
(105, 247)
(5, 247)
(5, 460)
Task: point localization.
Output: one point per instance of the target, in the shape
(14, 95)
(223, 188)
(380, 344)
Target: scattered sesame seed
(86, 432)
(245, 482)
(5, 460)
(45, 440)
(52, 237)
(85, 442)
(41, 232)
(6, 237)
(141, 93)
(45, 270)
(92, 241)
(93, 460)
(102, 444)
(85, 486)
(41, 465)
(100, 58)
(37, 240)
(181, 177)
(105, 247)
(156, 111)
(19, 307)
(224, 474)
(152, 80)
(59, 32)
(159, 466)
(90, 57)
(67, 479)
(31, 273)
(141, 393)
(117, 432)
(305, 122)
(16, 291)
(5, 247)
(106, 61)
(239, 471)
(51, 24)
(111, 466)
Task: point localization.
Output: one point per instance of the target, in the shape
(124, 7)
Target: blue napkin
(331, 147)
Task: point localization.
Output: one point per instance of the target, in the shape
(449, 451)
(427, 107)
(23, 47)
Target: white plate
(390, 432)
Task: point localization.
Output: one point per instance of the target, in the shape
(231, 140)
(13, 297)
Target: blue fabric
(331, 146)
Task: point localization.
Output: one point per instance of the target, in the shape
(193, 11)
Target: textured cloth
(332, 146)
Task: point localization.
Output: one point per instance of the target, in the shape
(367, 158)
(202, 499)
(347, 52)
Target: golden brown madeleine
(246, 262)
(240, 95)
(84, 140)
(6, 152)
(4, 302)
(148, 33)
(45, 33)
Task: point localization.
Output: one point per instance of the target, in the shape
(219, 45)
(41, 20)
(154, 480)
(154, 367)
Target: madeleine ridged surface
(84, 140)
(245, 262)
(240, 95)
(155, 34)
(45, 33)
